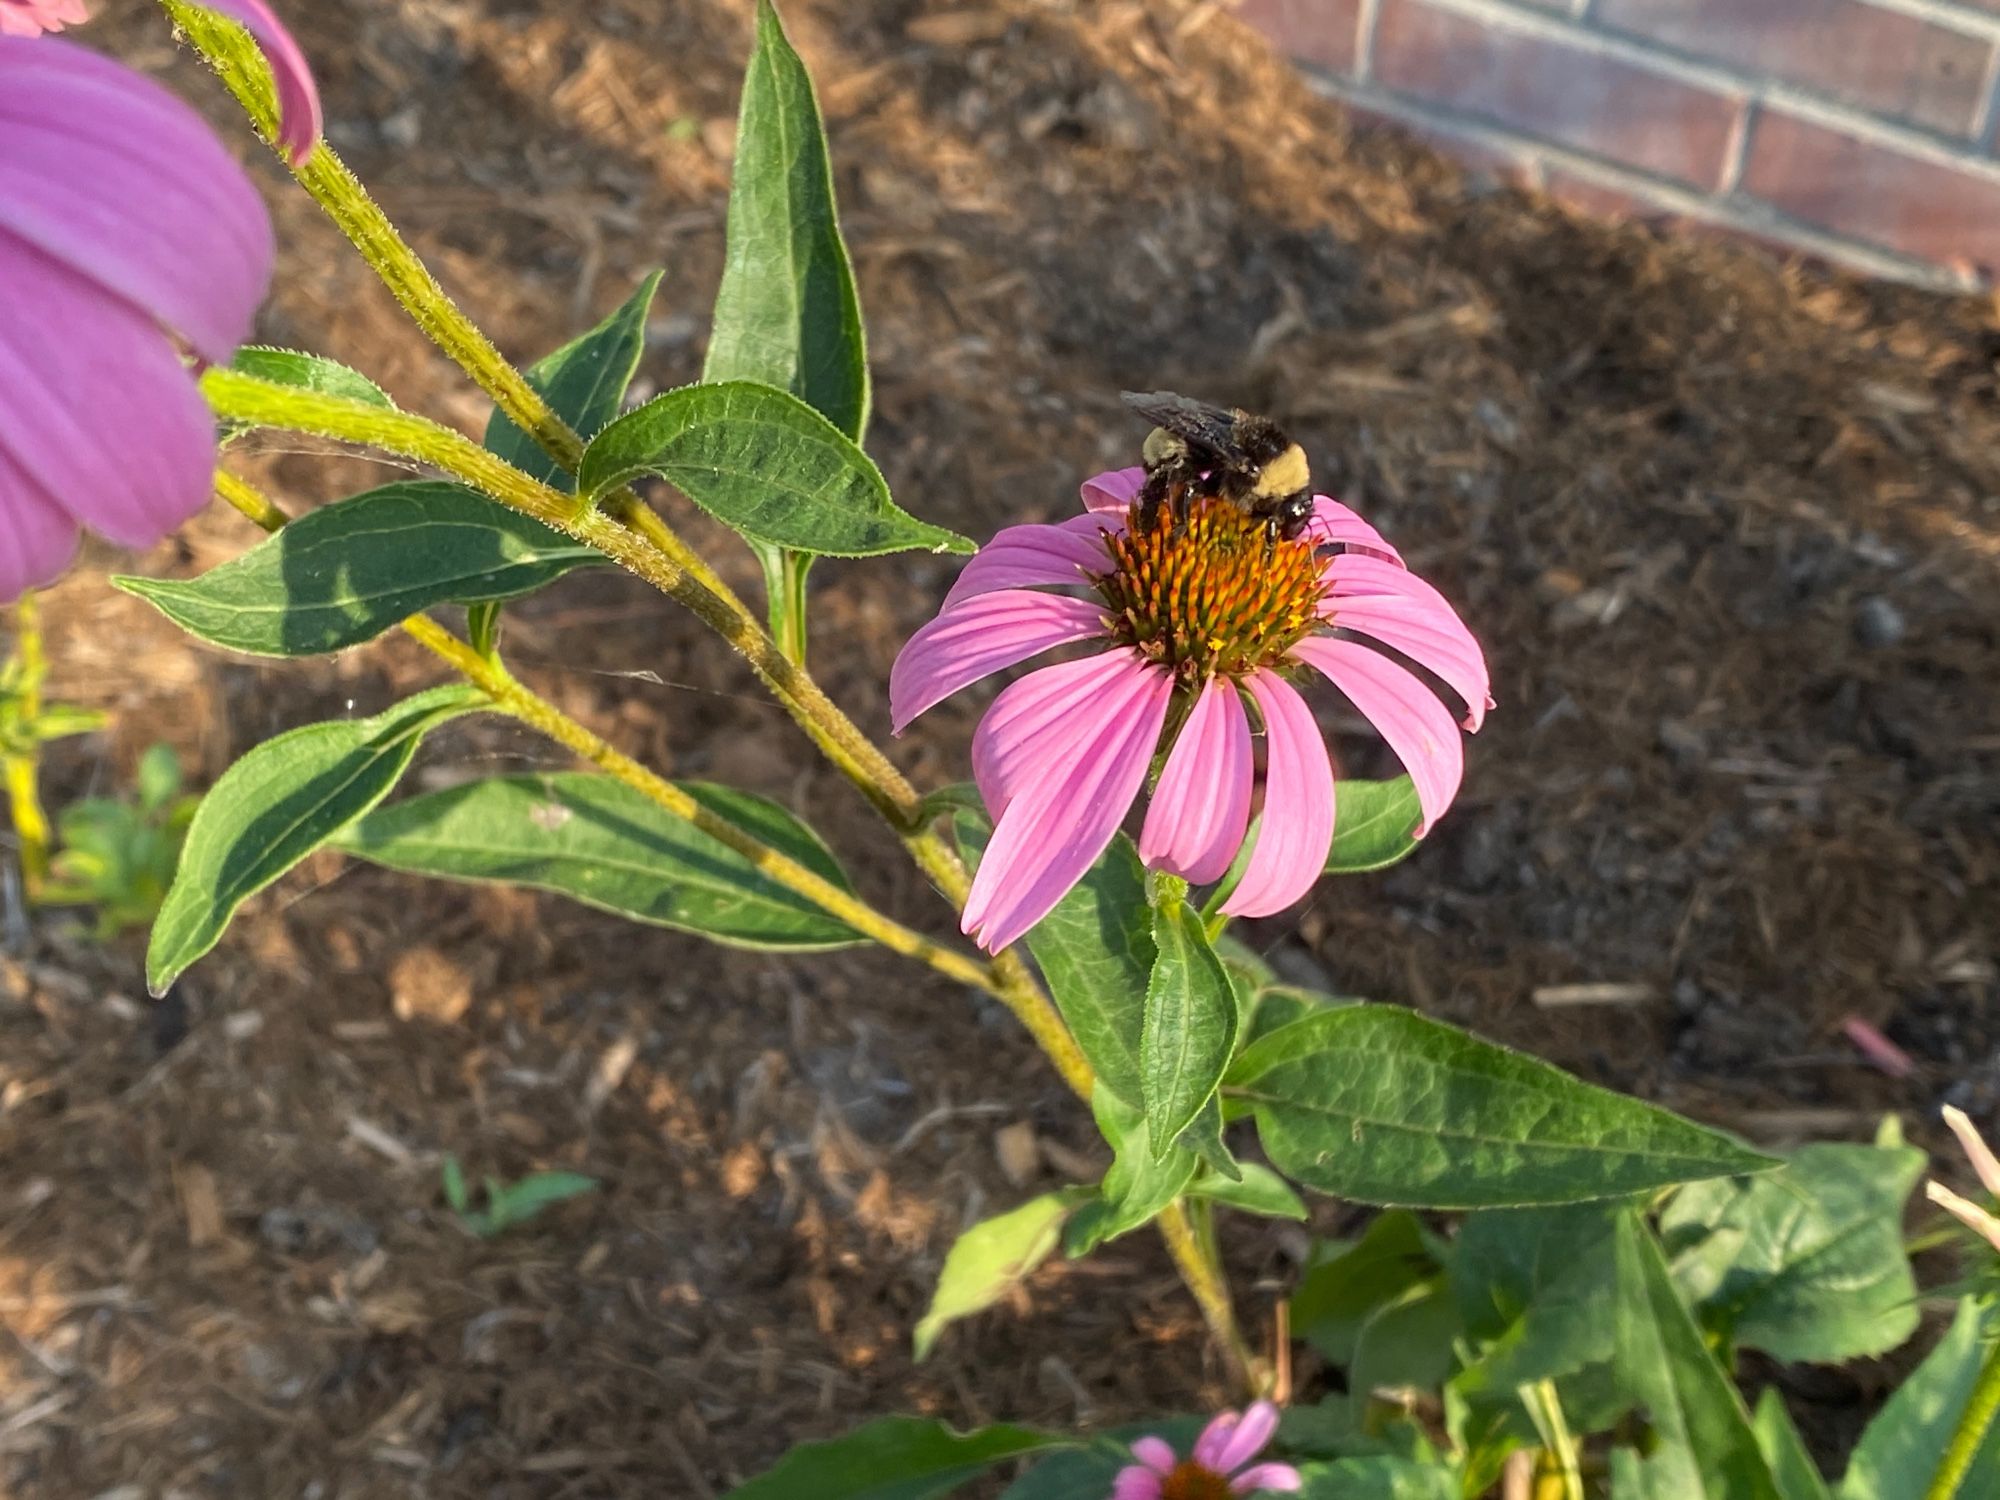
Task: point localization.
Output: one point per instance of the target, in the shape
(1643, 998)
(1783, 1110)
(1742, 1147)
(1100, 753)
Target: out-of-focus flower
(130, 240)
(1985, 1166)
(1218, 1468)
(299, 121)
(33, 17)
(1192, 617)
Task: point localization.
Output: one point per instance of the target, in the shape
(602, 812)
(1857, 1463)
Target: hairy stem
(22, 767)
(1973, 1424)
(1194, 1253)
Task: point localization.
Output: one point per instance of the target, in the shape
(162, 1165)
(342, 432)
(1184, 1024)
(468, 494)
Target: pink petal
(1976, 1150)
(1968, 1213)
(978, 638)
(1115, 489)
(1033, 717)
(1214, 1437)
(1879, 1050)
(1356, 574)
(1257, 1426)
(299, 122)
(1267, 1477)
(1297, 827)
(1027, 556)
(33, 17)
(1135, 1483)
(1156, 1454)
(1202, 803)
(1063, 814)
(37, 537)
(1404, 712)
(1334, 522)
(1432, 636)
(108, 173)
(97, 413)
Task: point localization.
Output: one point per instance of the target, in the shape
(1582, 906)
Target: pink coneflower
(1216, 1469)
(1984, 1166)
(1191, 618)
(128, 234)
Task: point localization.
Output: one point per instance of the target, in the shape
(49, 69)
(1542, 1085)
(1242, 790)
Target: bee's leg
(1152, 494)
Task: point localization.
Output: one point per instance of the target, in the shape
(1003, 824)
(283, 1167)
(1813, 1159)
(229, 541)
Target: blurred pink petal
(1155, 1453)
(1977, 1152)
(1066, 806)
(1334, 522)
(1214, 1438)
(1406, 713)
(1113, 490)
(1968, 1213)
(1297, 827)
(978, 638)
(299, 120)
(1201, 805)
(1267, 1477)
(110, 174)
(37, 537)
(1136, 1482)
(1027, 556)
(1879, 1050)
(1258, 1427)
(26, 18)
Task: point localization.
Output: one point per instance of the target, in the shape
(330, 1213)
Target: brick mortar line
(1983, 24)
(1738, 211)
(1663, 61)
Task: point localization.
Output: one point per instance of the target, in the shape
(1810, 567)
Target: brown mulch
(1730, 530)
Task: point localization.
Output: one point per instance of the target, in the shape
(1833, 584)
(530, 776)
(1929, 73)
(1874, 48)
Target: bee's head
(1283, 474)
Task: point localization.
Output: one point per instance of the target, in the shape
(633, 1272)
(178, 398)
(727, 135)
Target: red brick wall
(1862, 130)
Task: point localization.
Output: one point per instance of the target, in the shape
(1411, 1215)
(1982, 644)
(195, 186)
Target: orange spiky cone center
(1193, 1481)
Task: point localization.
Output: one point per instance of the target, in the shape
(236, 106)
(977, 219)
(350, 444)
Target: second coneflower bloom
(1198, 622)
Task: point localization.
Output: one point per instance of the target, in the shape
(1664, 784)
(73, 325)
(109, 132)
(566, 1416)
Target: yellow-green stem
(22, 768)
(1201, 1269)
(1973, 1424)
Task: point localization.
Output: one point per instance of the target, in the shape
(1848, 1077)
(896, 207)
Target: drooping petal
(1406, 713)
(1030, 556)
(299, 122)
(33, 17)
(37, 536)
(1135, 1482)
(1062, 817)
(1297, 827)
(1155, 1453)
(1029, 716)
(1201, 806)
(1334, 522)
(1976, 1150)
(1356, 575)
(1214, 1437)
(96, 409)
(1279, 1477)
(1115, 489)
(1254, 1431)
(978, 638)
(111, 175)
(1433, 637)
(1968, 1213)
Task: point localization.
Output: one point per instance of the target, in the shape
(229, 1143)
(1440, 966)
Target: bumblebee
(1197, 450)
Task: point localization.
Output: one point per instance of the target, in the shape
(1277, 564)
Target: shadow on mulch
(1729, 529)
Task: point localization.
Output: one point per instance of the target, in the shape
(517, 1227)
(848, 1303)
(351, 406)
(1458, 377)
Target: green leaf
(1096, 952)
(1378, 1478)
(894, 1458)
(1342, 1290)
(1792, 1468)
(1409, 1341)
(159, 778)
(1190, 1025)
(344, 573)
(280, 802)
(763, 462)
(1538, 1288)
(1382, 1105)
(1376, 825)
(1807, 1262)
(309, 372)
(517, 1203)
(600, 842)
(786, 313)
(1258, 1191)
(1899, 1450)
(455, 1196)
(584, 382)
(1088, 1473)
(1137, 1185)
(992, 1258)
(1707, 1449)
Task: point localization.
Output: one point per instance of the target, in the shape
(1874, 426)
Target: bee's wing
(1210, 429)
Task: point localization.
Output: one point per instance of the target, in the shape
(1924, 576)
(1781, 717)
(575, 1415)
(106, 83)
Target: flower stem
(1193, 1248)
(1973, 1423)
(22, 766)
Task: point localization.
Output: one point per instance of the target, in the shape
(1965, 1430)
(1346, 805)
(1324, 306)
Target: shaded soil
(1730, 529)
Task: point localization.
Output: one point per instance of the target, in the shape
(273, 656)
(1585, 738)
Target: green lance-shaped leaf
(600, 842)
(1190, 1025)
(1382, 1105)
(1807, 1262)
(786, 313)
(1899, 1449)
(894, 1458)
(1088, 1472)
(761, 461)
(1096, 952)
(1707, 1449)
(276, 805)
(1382, 1477)
(1258, 1190)
(992, 1258)
(1345, 1286)
(309, 372)
(1376, 825)
(584, 383)
(346, 572)
(1792, 1468)
(1138, 1184)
